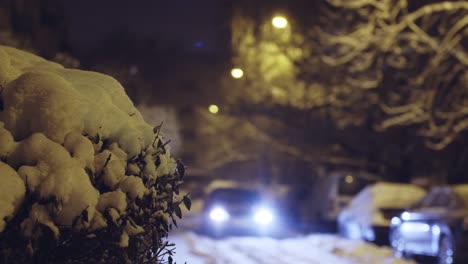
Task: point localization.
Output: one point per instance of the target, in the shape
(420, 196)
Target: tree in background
(413, 62)
(369, 80)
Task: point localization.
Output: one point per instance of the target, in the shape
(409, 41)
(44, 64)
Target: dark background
(175, 55)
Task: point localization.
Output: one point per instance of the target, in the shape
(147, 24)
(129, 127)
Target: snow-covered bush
(83, 178)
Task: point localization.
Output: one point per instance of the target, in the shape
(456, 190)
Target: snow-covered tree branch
(416, 61)
(384, 63)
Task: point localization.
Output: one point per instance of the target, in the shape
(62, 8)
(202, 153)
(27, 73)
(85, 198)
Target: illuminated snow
(364, 208)
(62, 133)
(311, 249)
(11, 193)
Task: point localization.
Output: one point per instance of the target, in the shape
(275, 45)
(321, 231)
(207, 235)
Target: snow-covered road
(310, 249)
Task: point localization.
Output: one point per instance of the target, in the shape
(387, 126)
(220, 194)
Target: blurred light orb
(237, 73)
(279, 22)
(405, 216)
(264, 217)
(218, 214)
(349, 179)
(214, 109)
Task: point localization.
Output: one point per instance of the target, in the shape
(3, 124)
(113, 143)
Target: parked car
(435, 226)
(368, 215)
(234, 211)
(340, 188)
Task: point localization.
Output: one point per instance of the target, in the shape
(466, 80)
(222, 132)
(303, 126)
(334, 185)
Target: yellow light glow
(279, 22)
(349, 179)
(214, 109)
(237, 73)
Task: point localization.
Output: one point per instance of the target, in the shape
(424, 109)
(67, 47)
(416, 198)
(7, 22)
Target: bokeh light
(237, 73)
(214, 109)
(279, 22)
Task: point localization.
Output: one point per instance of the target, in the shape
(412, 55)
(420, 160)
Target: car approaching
(234, 211)
(436, 226)
(368, 215)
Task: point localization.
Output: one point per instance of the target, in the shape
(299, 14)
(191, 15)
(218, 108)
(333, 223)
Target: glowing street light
(237, 73)
(279, 22)
(214, 109)
(349, 179)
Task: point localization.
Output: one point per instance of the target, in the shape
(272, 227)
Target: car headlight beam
(395, 220)
(263, 216)
(219, 214)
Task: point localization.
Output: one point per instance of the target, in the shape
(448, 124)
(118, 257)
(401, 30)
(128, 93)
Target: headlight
(263, 216)
(395, 220)
(218, 214)
(405, 216)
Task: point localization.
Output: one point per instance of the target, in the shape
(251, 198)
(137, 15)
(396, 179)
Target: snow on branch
(417, 61)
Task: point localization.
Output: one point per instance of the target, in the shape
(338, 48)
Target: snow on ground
(310, 249)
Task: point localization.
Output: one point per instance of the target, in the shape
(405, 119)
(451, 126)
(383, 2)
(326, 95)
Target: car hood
(434, 214)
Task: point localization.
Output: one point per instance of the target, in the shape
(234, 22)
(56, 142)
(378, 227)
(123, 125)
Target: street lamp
(237, 73)
(349, 179)
(279, 22)
(214, 109)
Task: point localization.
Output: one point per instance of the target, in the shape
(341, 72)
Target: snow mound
(43, 97)
(365, 207)
(12, 192)
(74, 142)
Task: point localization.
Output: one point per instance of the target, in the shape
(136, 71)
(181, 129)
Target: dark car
(435, 226)
(237, 211)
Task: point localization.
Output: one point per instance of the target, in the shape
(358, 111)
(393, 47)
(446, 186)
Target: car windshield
(238, 196)
(441, 197)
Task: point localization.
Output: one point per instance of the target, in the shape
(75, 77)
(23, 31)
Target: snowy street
(310, 249)
(234, 132)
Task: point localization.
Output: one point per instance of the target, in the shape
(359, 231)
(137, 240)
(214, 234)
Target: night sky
(191, 24)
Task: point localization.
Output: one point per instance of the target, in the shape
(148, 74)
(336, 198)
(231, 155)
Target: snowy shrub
(83, 179)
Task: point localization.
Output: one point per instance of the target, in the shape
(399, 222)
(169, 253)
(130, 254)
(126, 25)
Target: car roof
(388, 194)
(461, 190)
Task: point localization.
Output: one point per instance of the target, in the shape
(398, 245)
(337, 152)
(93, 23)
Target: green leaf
(187, 202)
(97, 139)
(165, 226)
(177, 210)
